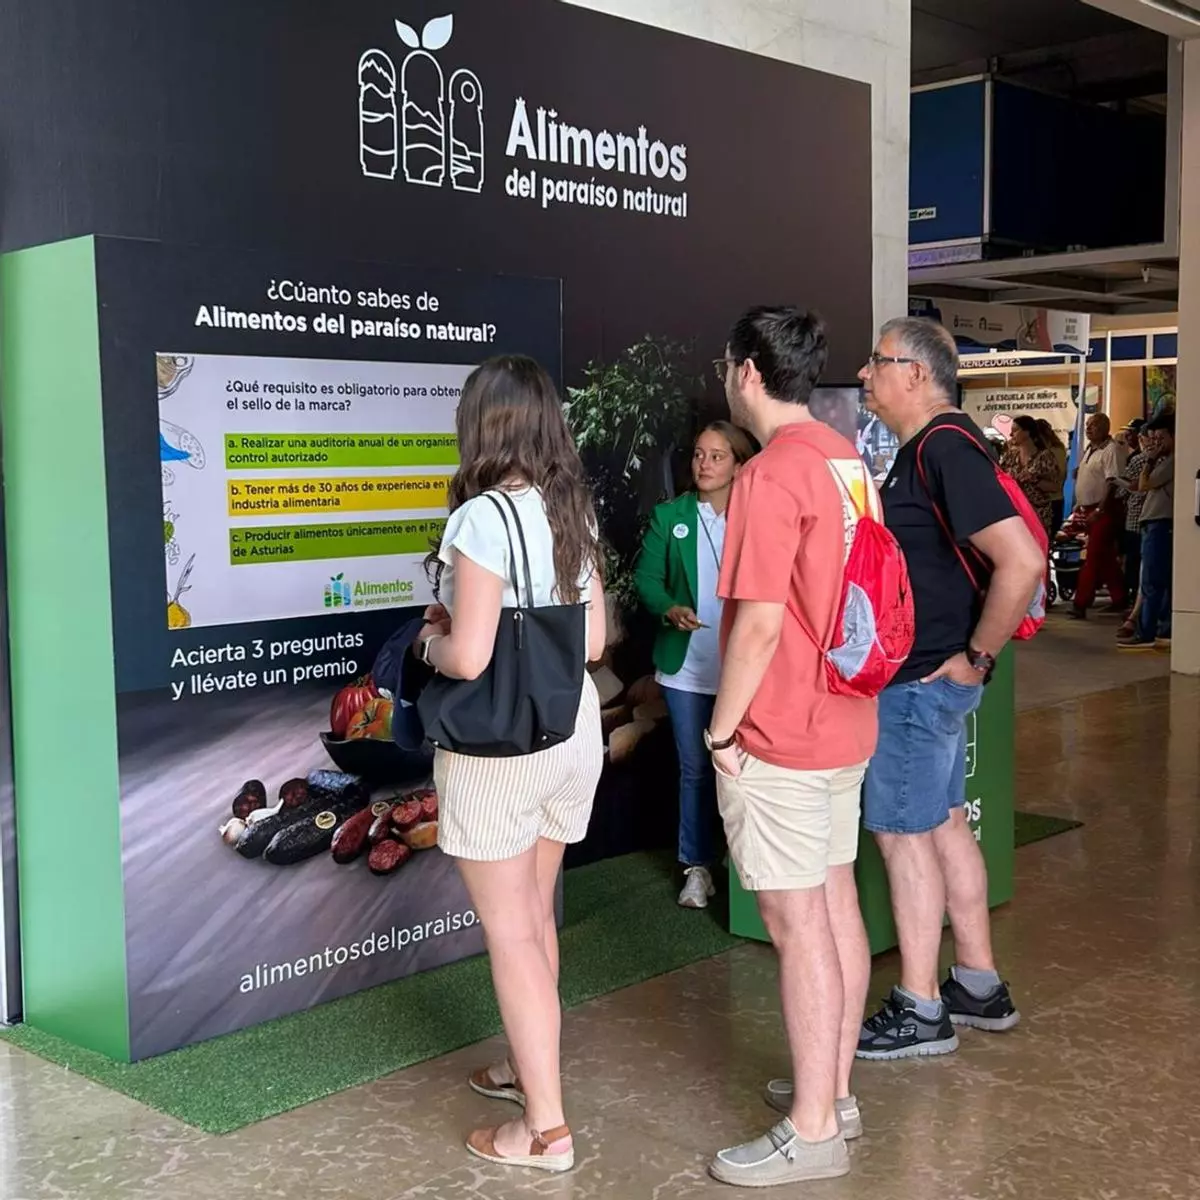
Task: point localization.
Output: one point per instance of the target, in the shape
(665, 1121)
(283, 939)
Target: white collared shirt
(1101, 466)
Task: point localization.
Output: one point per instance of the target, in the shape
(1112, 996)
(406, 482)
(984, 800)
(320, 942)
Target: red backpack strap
(843, 490)
(941, 516)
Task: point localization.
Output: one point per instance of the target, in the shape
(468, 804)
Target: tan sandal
(486, 1084)
(482, 1144)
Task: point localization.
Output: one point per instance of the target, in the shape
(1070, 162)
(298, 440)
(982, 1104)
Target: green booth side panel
(63, 698)
(990, 748)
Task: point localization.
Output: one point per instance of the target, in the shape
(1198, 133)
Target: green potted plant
(628, 417)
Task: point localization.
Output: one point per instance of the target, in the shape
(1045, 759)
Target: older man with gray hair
(945, 505)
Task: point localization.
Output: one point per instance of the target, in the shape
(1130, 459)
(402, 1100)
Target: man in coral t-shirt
(790, 756)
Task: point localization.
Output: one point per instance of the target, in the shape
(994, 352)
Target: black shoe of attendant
(1076, 613)
(897, 1030)
(995, 1013)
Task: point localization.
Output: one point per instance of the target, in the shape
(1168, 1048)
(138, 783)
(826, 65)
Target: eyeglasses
(881, 360)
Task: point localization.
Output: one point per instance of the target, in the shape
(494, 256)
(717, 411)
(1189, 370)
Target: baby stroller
(1066, 562)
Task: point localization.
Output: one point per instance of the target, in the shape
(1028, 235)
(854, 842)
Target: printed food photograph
(331, 842)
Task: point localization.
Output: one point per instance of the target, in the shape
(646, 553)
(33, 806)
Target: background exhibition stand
(990, 751)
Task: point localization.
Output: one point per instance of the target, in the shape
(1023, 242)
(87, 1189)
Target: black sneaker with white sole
(994, 1013)
(897, 1030)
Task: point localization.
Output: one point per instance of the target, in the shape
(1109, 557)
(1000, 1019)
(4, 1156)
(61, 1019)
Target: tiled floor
(1093, 1098)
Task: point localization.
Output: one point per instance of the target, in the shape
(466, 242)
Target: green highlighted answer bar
(286, 451)
(309, 543)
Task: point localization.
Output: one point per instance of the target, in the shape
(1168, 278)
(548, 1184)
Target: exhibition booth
(230, 357)
(235, 412)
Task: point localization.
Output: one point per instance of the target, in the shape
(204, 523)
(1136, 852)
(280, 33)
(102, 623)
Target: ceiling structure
(948, 33)
(1077, 49)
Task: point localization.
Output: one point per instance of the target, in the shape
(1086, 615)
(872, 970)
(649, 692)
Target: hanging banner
(995, 408)
(984, 329)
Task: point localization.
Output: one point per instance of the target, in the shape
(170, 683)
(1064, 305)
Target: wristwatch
(713, 747)
(424, 648)
(982, 662)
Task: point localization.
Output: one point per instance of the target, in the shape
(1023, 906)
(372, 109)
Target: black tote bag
(527, 699)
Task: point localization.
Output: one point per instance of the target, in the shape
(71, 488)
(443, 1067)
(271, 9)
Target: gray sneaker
(779, 1096)
(780, 1156)
(698, 889)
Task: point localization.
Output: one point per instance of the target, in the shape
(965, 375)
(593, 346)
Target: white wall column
(1185, 652)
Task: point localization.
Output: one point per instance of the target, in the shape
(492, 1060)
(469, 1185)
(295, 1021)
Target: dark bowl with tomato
(378, 762)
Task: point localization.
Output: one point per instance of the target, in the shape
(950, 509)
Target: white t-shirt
(701, 670)
(1100, 466)
(476, 530)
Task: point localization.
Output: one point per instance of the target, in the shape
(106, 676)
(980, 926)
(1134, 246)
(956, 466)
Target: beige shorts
(786, 828)
(491, 809)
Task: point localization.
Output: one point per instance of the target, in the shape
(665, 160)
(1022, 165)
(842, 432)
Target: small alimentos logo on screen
(368, 593)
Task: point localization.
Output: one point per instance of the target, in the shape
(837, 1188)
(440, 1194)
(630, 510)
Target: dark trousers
(1056, 517)
(1131, 546)
(1157, 556)
(1102, 564)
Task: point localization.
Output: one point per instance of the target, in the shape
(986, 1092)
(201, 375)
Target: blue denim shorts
(919, 773)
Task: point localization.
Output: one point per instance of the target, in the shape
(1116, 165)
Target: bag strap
(524, 550)
(937, 511)
(843, 491)
(512, 553)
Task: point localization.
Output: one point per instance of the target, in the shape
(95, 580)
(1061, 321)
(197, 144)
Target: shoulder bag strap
(524, 550)
(843, 492)
(512, 553)
(941, 516)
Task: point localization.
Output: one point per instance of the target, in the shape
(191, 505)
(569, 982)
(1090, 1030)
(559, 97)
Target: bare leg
(965, 875)
(854, 957)
(549, 857)
(810, 984)
(549, 863)
(918, 904)
(507, 899)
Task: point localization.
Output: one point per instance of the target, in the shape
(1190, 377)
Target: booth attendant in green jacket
(676, 579)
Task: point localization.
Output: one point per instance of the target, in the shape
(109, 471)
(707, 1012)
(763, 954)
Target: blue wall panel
(946, 167)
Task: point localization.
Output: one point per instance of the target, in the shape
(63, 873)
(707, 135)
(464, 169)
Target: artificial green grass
(1034, 827)
(621, 926)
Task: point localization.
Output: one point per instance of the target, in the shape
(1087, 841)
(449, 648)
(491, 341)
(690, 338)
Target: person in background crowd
(507, 821)
(1131, 436)
(789, 754)
(1059, 449)
(913, 800)
(1157, 485)
(1031, 461)
(1098, 505)
(1131, 541)
(676, 579)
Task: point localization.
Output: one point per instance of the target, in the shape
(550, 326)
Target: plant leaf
(438, 32)
(408, 35)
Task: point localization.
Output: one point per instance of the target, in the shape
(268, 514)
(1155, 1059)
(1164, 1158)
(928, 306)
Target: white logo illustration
(432, 145)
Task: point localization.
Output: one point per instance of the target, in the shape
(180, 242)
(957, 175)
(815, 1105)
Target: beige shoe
(781, 1156)
(486, 1084)
(482, 1144)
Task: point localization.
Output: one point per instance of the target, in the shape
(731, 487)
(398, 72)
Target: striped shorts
(491, 809)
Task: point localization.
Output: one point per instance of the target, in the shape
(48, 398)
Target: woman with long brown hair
(507, 821)
(1030, 459)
